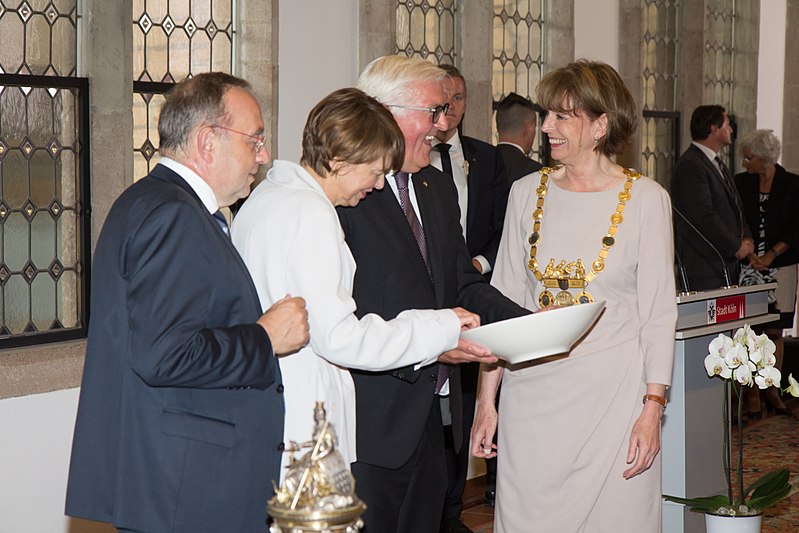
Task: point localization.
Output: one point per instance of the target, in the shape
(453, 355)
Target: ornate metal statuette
(318, 492)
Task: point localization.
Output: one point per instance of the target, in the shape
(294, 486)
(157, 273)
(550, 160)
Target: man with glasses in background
(407, 242)
(180, 420)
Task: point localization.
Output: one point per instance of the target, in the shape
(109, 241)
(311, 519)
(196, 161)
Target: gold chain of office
(572, 275)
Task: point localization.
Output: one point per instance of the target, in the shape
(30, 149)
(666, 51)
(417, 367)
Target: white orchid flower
(715, 366)
(793, 386)
(768, 377)
(720, 345)
(743, 375)
(769, 360)
(736, 356)
(740, 334)
(766, 345)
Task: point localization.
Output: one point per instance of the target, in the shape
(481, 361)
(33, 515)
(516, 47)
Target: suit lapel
(223, 241)
(472, 180)
(397, 231)
(431, 224)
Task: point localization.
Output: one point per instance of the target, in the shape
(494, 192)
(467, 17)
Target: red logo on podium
(726, 309)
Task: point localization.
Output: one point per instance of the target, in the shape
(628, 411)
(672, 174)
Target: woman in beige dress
(579, 436)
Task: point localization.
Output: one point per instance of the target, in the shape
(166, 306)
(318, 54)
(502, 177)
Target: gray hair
(191, 103)
(763, 144)
(391, 79)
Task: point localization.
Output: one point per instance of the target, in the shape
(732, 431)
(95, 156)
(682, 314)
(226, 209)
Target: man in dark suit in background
(702, 191)
(516, 132)
(180, 419)
(407, 242)
(478, 174)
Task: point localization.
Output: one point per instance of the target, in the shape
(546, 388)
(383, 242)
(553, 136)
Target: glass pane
(517, 59)
(426, 29)
(41, 236)
(39, 37)
(173, 39)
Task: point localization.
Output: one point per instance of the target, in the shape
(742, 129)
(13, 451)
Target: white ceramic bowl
(538, 335)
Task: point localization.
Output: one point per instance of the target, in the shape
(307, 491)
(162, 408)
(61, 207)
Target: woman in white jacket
(289, 236)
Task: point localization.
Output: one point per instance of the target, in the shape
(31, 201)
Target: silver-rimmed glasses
(260, 140)
(436, 111)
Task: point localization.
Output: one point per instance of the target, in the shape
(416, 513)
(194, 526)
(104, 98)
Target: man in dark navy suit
(515, 134)
(180, 419)
(703, 192)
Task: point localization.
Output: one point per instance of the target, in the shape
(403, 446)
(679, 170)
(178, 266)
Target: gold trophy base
(342, 520)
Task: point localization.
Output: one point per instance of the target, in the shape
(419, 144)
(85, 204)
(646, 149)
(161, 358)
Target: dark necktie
(222, 222)
(410, 215)
(446, 161)
(725, 173)
(418, 234)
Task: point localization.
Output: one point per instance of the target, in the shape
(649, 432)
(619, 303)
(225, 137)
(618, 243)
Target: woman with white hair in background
(769, 197)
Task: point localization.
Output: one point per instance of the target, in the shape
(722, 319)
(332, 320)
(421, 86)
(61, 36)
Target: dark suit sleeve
(179, 339)
(500, 187)
(691, 194)
(787, 219)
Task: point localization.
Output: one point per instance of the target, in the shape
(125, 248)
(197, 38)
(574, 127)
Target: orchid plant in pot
(742, 361)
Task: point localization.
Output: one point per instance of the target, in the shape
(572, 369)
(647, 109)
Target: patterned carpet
(769, 443)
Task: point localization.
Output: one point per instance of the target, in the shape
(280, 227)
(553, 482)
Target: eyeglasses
(437, 111)
(260, 140)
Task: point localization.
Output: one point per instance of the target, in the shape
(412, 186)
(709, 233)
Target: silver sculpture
(318, 492)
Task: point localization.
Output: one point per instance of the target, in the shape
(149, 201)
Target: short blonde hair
(593, 88)
(391, 79)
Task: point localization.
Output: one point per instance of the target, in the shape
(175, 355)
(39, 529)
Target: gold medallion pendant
(564, 276)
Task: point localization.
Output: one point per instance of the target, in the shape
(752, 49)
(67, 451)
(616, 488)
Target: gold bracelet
(655, 398)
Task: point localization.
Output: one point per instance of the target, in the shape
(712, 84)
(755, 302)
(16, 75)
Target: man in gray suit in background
(516, 132)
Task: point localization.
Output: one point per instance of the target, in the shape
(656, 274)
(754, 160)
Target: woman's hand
(644, 440)
(483, 430)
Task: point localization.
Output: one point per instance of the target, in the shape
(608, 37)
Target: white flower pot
(732, 524)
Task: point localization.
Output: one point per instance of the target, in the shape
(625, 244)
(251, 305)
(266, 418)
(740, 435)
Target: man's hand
(468, 319)
(477, 266)
(747, 247)
(467, 352)
(286, 322)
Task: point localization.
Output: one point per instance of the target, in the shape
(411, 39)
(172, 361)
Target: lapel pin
(424, 183)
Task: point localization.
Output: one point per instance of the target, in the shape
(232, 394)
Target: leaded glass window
(44, 219)
(517, 56)
(719, 51)
(173, 40)
(660, 127)
(426, 29)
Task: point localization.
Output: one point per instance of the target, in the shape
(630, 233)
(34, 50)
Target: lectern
(692, 429)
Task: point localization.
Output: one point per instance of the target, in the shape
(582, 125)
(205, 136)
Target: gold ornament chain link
(572, 275)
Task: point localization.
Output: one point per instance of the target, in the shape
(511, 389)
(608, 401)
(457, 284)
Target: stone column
(474, 51)
(558, 34)
(377, 30)
(790, 117)
(256, 60)
(630, 44)
(691, 72)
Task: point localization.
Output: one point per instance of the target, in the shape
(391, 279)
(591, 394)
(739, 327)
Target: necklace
(572, 275)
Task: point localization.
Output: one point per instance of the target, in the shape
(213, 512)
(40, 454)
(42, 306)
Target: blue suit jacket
(180, 417)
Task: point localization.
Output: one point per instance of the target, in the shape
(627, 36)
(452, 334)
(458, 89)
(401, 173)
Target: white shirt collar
(514, 145)
(707, 151)
(197, 184)
(454, 143)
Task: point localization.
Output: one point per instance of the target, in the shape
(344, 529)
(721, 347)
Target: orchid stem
(740, 467)
(726, 452)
